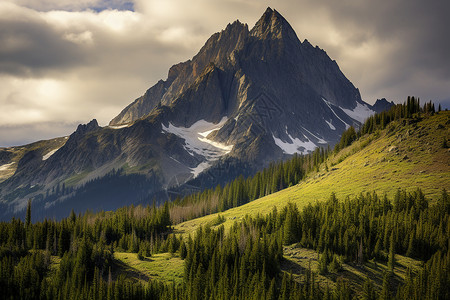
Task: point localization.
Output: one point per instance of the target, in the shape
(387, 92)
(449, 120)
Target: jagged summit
(273, 25)
(247, 97)
(382, 104)
(238, 73)
(85, 128)
(266, 85)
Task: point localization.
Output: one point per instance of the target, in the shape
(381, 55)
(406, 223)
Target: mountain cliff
(247, 98)
(265, 82)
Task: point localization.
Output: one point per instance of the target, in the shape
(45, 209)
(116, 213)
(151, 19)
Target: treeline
(85, 245)
(276, 177)
(240, 191)
(242, 263)
(369, 226)
(409, 109)
(284, 174)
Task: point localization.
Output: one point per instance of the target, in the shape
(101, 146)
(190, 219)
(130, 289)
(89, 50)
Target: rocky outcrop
(142, 105)
(216, 50)
(382, 105)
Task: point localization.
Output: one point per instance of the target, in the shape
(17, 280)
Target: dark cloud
(31, 47)
(419, 31)
(65, 60)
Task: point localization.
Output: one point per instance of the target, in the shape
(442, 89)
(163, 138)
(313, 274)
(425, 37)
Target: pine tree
(391, 258)
(369, 292)
(323, 262)
(411, 252)
(342, 290)
(28, 216)
(385, 290)
(290, 225)
(183, 250)
(271, 292)
(284, 292)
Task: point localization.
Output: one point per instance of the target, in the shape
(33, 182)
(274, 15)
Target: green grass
(162, 266)
(419, 161)
(298, 260)
(54, 265)
(367, 165)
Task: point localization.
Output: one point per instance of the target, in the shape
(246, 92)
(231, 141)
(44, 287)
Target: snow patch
(6, 166)
(319, 140)
(175, 160)
(293, 147)
(47, 156)
(223, 147)
(196, 142)
(360, 113)
(329, 106)
(200, 168)
(119, 126)
(330, 125)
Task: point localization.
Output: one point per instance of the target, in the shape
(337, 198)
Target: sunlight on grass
(368, 165)
(161, 266)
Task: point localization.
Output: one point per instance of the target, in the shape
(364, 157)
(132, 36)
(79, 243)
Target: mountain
(249, 97)
(370, 217)
(382, 105)
(409, 154)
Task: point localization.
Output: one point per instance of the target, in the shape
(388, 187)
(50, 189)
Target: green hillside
(355, 226)
(299, 260)
(408, 154)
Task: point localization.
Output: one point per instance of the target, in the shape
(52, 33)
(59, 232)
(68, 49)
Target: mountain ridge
(248, 97)
(408, 154)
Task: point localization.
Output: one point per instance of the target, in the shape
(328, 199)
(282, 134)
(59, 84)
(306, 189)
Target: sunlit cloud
(66, 62)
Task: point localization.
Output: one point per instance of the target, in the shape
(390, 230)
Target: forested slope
(404, 153)
(388, 239)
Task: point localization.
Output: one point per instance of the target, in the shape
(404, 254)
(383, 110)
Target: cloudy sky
(64, 62)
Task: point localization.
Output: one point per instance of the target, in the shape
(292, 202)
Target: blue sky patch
(119, 5)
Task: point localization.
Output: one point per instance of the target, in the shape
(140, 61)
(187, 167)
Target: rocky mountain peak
(382, 104)
(236, 27)
(272, 25)
(248, 96)
(220, 45)
(85, 128)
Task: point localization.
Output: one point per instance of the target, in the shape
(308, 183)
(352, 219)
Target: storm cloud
(65, 62)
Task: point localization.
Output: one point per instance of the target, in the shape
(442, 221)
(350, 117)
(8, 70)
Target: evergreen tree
(28, 215)
(391, 258)
(291, 234)
(385, 291)
(369, 292)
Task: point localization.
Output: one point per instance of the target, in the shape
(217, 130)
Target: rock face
(216, 51)
(266, 82)
(382, 105)
(252, 96)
